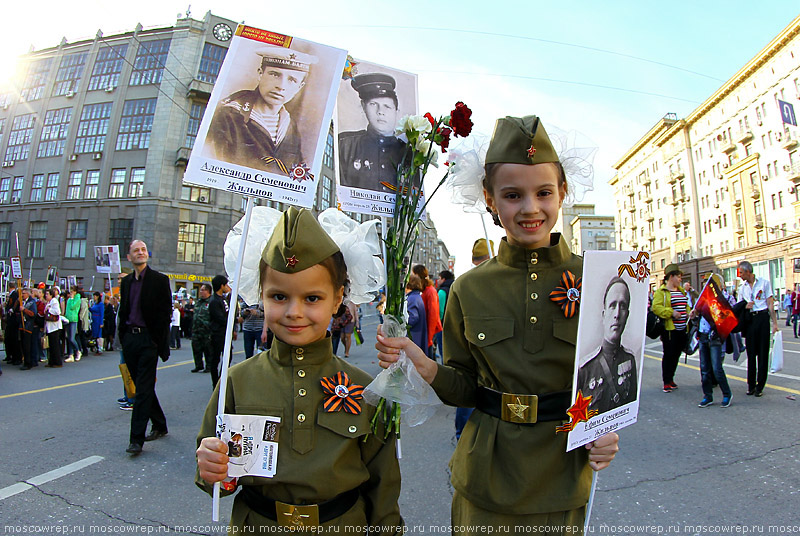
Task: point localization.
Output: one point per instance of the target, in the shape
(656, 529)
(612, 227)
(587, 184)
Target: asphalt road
(681, 470)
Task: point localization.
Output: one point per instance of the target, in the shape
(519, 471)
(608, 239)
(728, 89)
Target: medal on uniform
(342, 394)
(357, 164)
(568, 295)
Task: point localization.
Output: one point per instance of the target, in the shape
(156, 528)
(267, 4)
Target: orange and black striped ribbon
(560, 295)
(336, 402)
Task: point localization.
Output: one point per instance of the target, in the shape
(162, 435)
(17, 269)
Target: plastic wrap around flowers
(358, 242)
(465, 180)
(360, 245)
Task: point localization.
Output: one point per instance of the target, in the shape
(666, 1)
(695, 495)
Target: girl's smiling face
(527, 200)
(298, 307)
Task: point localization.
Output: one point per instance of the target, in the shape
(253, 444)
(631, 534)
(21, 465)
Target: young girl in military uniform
(331, 472)
(509, 351)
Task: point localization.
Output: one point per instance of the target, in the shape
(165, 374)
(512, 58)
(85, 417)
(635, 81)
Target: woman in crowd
(672, 303)
(97, 311)
(52, 328)
(417, 319)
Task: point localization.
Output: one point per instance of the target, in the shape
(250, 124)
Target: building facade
(722, 184)
(95, 136)
(592, 232)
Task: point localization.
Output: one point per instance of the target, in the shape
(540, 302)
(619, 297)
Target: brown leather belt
(526, 410)
(298, 515)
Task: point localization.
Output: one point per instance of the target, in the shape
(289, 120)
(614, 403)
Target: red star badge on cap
(291, 262)
(531, 151)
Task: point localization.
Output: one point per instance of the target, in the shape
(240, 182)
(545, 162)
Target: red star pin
(291, 262)
(579, 412)
(531, 151)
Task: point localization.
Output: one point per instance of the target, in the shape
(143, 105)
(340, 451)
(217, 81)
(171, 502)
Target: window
(326, 193)
(107, 67)
(148, 67)
(757, 208)
(5, 189)
(36, 188)
(19, 138)
(74, 186)
(16, 190)
(75, 247)
(37, 234)
(117, 186)
(211, 62)
(780, 199)
(69, 74)
(2, 124)
(51, 192)
(195, 116)
(774, 202)
(327, 156)
(5, 240)
(137, 182)
(135, 124)
(121, 234)
(54, 132)
(191, 238)
(92, 128)
(92, 184)
(748, 149)
(35, 80)
(195, 193)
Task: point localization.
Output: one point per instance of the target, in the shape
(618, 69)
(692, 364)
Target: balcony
(674, 201)
(649, 216)
(759, 222)
(646, 181)
(648, 198)
(674, 176)
(744, 136)
(182, 156)
(199, 91)
(790, 140)
(631, 208)
(737, 202)
(793, 172)
(728, 147)
(739, 229)
(755, 194)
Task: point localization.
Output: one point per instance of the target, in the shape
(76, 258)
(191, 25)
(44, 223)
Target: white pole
(30, 275)
(589, 504)
(226, 353)
(486, 234)
(92, 287)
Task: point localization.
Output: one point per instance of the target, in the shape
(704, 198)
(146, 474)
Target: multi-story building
(95, 136)
(430, 251)
(592, 232)
(722, 184)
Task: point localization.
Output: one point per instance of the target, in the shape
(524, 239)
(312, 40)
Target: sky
(609, 70)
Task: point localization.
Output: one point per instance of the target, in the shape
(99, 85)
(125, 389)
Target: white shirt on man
(758, 293)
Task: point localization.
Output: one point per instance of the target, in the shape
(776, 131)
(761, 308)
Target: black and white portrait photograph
(52, 276)
(370, 104)
(268, 117)
(610, 345)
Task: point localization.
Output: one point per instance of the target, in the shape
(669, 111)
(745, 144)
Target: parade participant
(218, 317)
(608, 373)
(711, 355)
(144, 310)
(97, 311)
(368, 158)
(201, 330)
(417, 316)
(27, 309)
(52, 328)
(252, 127)
(672, 303)
(431, 300)
(757, 293)
(511, 354)
(329, 466)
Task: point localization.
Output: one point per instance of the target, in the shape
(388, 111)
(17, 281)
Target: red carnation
(443, 138)
(430, 118)
(460, 120)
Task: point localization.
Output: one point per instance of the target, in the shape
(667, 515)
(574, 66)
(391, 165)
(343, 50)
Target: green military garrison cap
(520, 140)
(298, 242)
(479, 248)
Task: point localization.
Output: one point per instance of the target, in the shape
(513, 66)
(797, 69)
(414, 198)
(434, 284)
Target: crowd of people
(47, 325)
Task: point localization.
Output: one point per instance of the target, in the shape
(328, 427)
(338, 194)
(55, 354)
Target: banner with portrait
(372, 99)
(610, 349)
(264, 131)
(106, 259)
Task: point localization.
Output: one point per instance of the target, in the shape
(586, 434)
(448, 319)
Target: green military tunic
(609, 376)
(502, 331)
(201, 322)
(320, 455)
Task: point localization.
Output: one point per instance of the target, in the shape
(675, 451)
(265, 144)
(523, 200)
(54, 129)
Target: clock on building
(222, 31)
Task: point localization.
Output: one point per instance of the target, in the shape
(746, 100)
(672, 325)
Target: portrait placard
(610, 349)
(52, 276)
(16, 267)
(106, 259)
(264, 131)
(372, 99)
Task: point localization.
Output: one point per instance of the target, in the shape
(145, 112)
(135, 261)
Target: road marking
(744, 380)
(19, 487)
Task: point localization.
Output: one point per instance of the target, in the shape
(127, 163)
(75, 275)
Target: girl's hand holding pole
(389, 350)
(212, 460)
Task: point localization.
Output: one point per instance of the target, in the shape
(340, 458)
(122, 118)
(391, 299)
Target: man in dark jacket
(144, 317)
(201, 330)
(218, 313)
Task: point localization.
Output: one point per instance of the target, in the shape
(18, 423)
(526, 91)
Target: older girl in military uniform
(331, 472)
(509, 351)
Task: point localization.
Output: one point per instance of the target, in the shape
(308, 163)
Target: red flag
(715, 308)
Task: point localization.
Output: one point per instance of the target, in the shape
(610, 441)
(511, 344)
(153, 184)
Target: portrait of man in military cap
(252, 127)
(609, 373)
